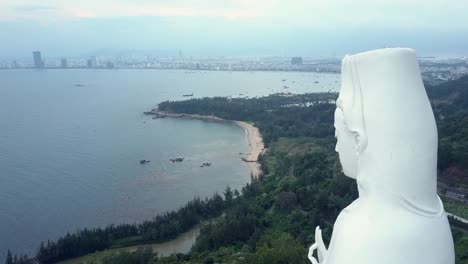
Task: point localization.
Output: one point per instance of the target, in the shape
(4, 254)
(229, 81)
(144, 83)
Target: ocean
(71, 141)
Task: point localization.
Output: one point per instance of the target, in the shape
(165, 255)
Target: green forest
(273, 218)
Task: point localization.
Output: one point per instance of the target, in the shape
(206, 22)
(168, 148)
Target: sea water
(71, 141)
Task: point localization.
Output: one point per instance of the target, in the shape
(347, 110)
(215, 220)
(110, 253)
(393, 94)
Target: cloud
(32, 8)
(164, 10)
(322, 14)
(307, 25)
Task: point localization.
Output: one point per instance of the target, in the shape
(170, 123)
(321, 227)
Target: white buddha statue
(387, 141)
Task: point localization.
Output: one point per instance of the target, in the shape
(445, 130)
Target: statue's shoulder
(353, 210)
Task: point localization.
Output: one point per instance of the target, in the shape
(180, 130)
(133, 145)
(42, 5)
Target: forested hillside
(450, 103)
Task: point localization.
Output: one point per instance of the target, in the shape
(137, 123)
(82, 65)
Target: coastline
(181, 244)
(252, 136)
(256, 147)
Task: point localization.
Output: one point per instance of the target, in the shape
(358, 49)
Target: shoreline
(252, 136)
(176, 69)
(181, 244)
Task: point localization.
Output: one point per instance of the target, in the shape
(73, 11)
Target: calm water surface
(69, 154)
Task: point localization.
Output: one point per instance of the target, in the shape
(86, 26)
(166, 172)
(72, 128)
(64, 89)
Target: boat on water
(187, 95)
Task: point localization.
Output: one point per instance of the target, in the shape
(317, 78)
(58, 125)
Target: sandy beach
(252, 135)
(256, 147)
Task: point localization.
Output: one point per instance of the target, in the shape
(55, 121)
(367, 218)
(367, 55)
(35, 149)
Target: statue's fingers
(312, 249)
(321, 249)
(319, 239)
(313, 260)
(311, 254)
(318, 235)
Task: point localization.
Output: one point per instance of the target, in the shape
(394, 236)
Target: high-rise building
(296, 61)
(38, 63)
(64, 63)
(92, 62)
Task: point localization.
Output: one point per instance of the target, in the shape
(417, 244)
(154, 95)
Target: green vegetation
(14, 259)
(450, 103)
(276, 116)
(272, 219)
(162, 228)
(140, 255)
(456, 207)
(460, 238)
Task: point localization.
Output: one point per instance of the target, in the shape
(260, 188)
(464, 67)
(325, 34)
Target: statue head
(385, 128)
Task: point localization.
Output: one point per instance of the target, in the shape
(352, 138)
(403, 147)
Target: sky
(315, 28)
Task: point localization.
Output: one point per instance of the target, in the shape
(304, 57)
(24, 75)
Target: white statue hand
(311, 254)
(322, 251)
(319, 245)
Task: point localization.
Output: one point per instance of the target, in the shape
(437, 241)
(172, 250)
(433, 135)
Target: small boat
(205, 164)
(144, 161)
(187, 95)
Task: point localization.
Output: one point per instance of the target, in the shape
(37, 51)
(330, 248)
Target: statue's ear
(360, 139)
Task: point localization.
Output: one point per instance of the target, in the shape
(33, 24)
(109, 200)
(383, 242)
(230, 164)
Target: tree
(228, 195)
(9, 258)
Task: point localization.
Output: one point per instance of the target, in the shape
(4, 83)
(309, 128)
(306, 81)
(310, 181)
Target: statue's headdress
(386, 107)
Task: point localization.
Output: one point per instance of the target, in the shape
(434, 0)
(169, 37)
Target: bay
(70, 142)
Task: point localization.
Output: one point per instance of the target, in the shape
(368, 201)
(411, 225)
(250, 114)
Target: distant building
(109, 65)
(38, 63)
(92, 62)
(296, 61)
(63, 63)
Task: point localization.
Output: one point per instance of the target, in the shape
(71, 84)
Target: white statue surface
(387, 141)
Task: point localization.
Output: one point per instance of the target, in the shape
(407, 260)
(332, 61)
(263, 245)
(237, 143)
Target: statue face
(346, 145)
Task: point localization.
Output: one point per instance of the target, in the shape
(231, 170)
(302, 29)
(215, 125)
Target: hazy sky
(235, 27)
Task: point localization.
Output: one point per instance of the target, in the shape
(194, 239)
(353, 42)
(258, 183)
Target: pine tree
(9, 258)
(228, 195)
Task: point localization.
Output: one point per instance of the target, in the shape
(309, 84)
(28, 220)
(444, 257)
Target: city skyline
(233, 28)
